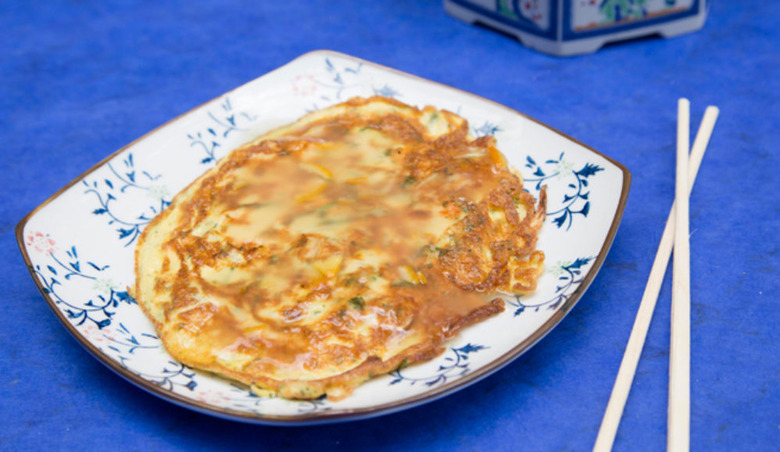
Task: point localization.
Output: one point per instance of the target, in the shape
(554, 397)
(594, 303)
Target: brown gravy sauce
(370, 189)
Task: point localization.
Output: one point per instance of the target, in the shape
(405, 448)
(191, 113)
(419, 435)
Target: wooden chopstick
(679, 409)
(636, 340)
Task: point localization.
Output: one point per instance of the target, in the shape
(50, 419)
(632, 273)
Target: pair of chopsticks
(675, 235)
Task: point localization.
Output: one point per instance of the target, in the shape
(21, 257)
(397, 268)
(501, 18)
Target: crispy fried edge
(338, 386)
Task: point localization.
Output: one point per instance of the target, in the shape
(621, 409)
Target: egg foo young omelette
(338, 248)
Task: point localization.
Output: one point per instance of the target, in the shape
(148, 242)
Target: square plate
(79, 244)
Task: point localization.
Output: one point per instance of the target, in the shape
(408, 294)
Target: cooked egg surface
(338, 248)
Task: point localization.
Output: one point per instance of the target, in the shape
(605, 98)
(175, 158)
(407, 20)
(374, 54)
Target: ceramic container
(79, 244)
(571, 27)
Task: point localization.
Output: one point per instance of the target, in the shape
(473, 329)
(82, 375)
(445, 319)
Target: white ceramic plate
(79, 244)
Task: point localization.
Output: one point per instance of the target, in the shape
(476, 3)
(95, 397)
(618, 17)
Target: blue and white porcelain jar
(570, 27)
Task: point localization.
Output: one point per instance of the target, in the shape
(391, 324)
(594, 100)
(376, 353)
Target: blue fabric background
(79, 80)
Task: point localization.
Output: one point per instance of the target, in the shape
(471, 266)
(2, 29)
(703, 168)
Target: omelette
(355, 241)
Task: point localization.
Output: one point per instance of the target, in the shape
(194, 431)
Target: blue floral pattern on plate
(455, 363)
(576, 201)
(86, 282)
(108, 191)
(220, 123)
(569, 275)
(100, 306)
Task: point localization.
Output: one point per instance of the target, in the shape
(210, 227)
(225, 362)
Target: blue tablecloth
(79, 80)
